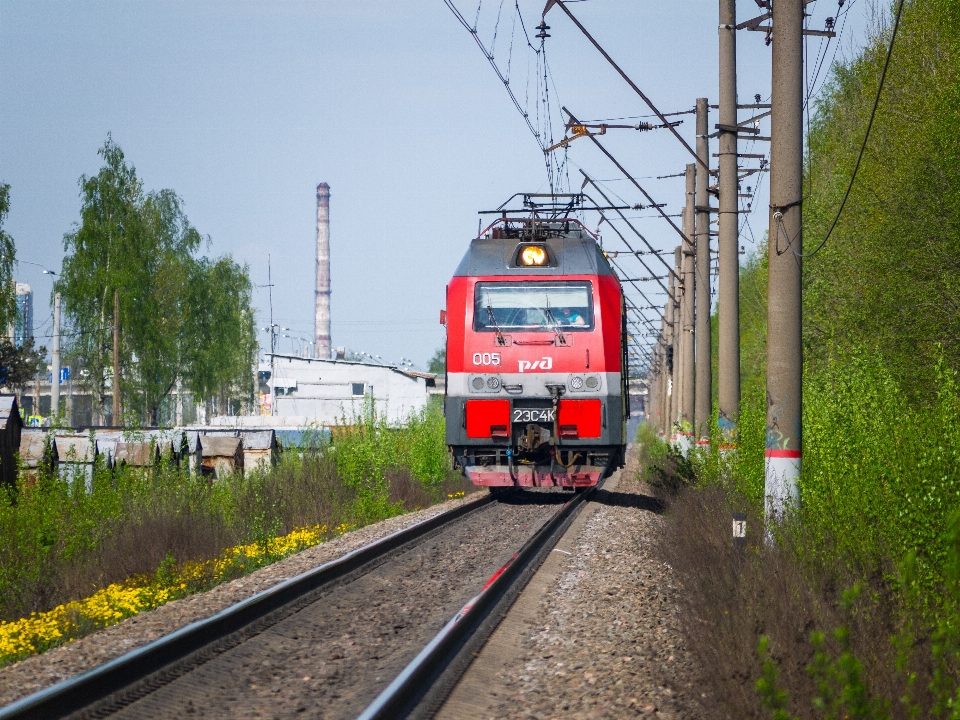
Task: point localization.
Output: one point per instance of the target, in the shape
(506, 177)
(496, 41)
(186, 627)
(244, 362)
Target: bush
(852, 607)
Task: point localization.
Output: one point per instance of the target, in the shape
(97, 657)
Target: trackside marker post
(739, 531)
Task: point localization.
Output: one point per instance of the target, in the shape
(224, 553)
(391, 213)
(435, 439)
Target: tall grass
(62, 539)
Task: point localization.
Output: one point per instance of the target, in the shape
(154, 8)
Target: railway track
(368, 625)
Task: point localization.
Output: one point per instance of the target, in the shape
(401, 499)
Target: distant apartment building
(23, 323)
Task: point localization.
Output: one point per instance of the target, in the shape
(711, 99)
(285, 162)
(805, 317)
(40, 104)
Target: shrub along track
(346, 642)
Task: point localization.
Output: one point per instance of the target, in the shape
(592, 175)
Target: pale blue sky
(242, 107)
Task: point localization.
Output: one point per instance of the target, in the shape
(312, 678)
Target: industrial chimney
(322, 322)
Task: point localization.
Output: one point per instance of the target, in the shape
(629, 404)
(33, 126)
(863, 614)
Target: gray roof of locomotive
(570, 256)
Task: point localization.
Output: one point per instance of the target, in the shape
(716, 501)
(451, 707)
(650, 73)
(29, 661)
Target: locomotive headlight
(533, 255)
(576, 382)
(493, 382)
(477, 383)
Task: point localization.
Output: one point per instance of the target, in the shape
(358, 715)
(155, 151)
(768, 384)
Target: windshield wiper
(556, 326)
(493, 319)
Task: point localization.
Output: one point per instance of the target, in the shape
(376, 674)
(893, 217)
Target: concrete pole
(273, 344)
(729, 256)
(687, 298)
(703, 407)
(671, 362)
(784, 312)
(657, 399)
(116, 358)
(55, 379)
(677, 332)
(664, 409)
(666, 379)
(322, 319)
(651, 399)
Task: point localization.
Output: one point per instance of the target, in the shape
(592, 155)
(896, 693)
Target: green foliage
(887, 280)
(881, 475)
(67, 534)
(366, 446)
(772, 697)
(8, 256)
(438, 363)
(20, 364)
(880, 481)
(181, 318)
(218, 303)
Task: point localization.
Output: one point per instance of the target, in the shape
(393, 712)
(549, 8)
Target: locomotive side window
(533, 306)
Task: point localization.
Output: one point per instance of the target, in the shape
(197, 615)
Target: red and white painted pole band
(782, 481)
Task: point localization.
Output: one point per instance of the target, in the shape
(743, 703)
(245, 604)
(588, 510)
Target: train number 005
(486, 358)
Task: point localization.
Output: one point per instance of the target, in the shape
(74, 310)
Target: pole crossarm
(642, 294)
(637, 185)
(655, 253)
(631, 280)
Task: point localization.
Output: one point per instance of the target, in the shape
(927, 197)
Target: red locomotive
(536, 386)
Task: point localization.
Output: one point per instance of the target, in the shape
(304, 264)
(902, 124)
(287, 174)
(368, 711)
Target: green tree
(438, 363)
(8, 255)
(102, 254)
(889, 278)
(220, 336)
(19, 365)
(181, 318)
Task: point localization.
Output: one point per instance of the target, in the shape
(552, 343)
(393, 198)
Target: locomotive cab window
(533, 306)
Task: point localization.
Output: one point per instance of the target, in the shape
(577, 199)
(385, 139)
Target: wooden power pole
(784, 312)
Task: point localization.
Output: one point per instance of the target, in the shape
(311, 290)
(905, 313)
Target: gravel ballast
(599, 636)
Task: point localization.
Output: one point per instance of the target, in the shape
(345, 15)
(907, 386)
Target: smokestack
(321, 329)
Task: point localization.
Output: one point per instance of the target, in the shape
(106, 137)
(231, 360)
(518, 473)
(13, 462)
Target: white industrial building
(309, 391)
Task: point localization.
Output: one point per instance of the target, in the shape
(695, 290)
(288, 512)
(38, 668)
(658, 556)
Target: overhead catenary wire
(653, 251)
(629, 82)
(541, 117)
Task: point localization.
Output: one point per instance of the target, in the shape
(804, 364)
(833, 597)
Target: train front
(536, 359)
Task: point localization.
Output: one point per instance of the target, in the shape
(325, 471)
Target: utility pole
(273, 369)
(703, 407)
(677, 345)
(55, 377)
(116, 358)
(666, 371)
(729, 257)
(784, 311)
(655, 386)
(688, 293)
(671, 362)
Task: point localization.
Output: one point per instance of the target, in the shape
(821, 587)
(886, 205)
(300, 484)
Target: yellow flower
(118, 601)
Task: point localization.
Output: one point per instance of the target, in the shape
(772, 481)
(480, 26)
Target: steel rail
(98, 684)
(426, 681)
